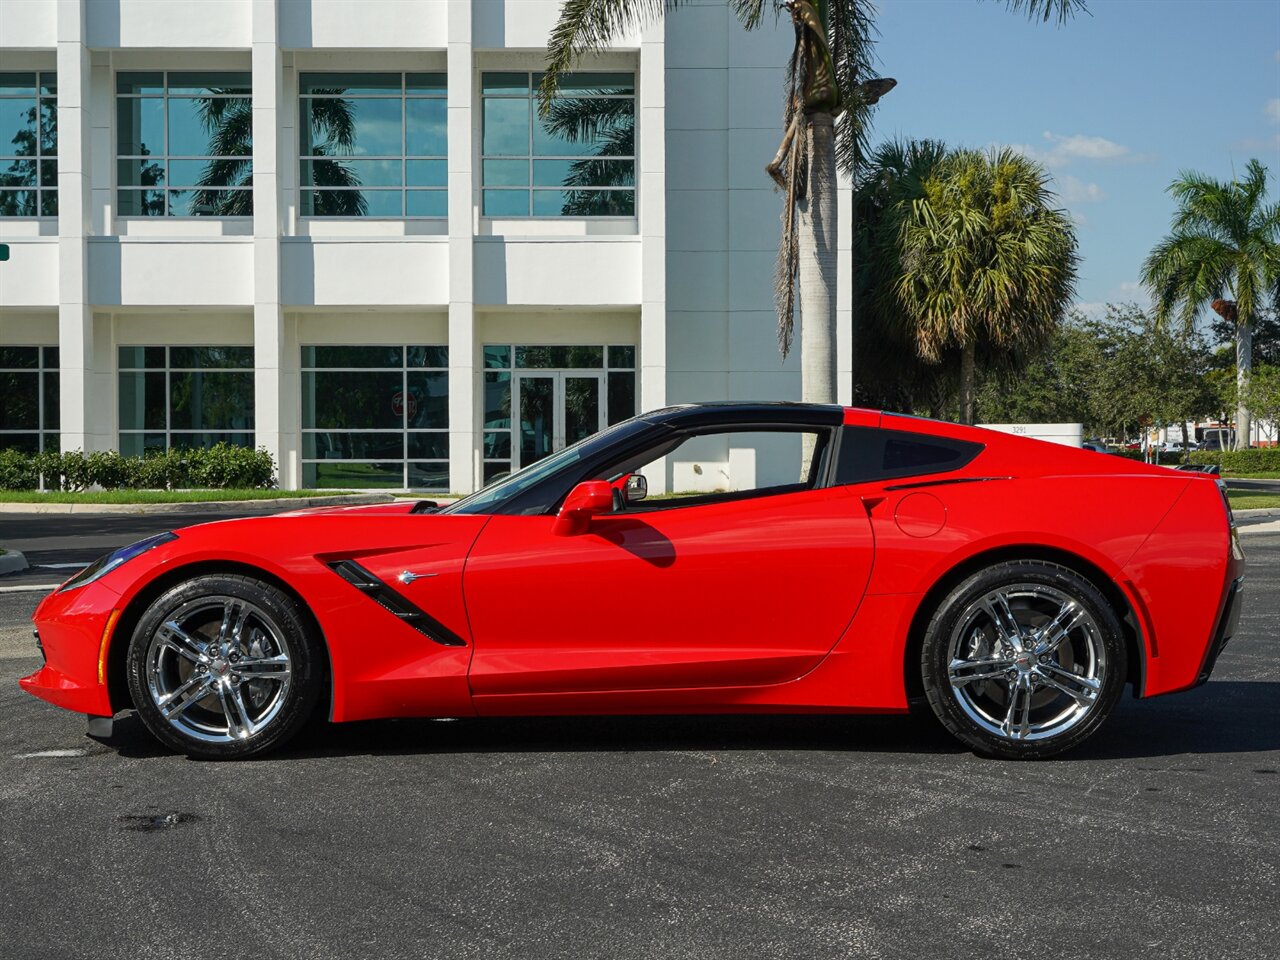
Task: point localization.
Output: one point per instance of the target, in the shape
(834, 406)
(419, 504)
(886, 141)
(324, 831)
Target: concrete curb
(1256, 515)
(11, 561)
(204, 506)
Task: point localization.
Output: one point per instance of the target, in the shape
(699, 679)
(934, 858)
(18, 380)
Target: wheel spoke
(234, 615)
(263, 668)
(1002, 618)
(1083, 690)
(173, 637)
(1051, 635)
(195, 688)
(240, 724)
(1017, 716)
(971, 671)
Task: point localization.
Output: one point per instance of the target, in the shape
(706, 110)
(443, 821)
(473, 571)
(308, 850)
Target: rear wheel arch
(117, 652)
(1134, 643)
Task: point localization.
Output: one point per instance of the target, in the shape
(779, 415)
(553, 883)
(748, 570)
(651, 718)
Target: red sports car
(807, 559)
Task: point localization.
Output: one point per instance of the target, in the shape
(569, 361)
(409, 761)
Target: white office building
(340, 230)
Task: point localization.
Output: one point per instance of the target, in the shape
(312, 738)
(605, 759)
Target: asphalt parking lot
(651, 838)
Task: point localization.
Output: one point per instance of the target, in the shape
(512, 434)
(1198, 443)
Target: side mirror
(588, 499)
(637, 488)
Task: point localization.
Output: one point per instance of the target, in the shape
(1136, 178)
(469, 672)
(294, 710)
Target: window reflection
(373, 145)
(184, 397)
(184, 143)
(577, 161)
(28, 145)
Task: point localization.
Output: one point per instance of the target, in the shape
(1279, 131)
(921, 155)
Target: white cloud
(1061, 149)
(1130, 289)
(1078, 191)
(1272, 109)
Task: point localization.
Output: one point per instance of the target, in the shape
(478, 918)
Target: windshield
(484, 500)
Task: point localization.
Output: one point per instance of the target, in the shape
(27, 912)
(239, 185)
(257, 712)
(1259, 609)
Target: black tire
(232, 659)
(977, 679)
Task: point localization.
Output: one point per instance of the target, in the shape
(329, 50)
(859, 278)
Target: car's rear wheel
(224, 666)
(1023, 660)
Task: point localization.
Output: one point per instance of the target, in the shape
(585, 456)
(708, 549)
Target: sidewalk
(199, 506)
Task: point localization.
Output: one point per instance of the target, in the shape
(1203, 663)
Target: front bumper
(72, 636)
(1227, 624)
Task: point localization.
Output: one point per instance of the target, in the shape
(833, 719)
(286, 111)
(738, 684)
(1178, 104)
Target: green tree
(1264, 394)
(985, 257)
(1223, 250)
(824, 118)
(1053, 386)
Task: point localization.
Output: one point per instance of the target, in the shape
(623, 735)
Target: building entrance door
(556, 408)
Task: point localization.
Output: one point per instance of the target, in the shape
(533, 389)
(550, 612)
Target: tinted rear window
(870, 454)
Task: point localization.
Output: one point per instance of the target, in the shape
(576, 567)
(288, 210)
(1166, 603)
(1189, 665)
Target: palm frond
(1047, 10)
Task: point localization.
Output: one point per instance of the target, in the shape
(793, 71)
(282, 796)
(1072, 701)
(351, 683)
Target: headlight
(104, 565)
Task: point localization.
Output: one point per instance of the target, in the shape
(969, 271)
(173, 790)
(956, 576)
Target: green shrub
(221, 467)
(1240, 461)
(17, 470)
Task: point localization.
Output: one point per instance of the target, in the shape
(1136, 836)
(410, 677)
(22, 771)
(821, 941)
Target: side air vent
(389, 599)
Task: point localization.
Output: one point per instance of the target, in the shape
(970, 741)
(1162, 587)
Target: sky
(1115, 102)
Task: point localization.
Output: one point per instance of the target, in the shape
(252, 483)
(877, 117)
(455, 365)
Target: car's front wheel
(224, 666)
(1023, 660)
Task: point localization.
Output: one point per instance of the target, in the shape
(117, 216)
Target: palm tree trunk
(1244, 370)
(816, 233)
(968, 357)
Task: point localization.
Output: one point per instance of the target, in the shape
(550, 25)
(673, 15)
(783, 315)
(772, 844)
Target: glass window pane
(584, 203)
(141, 203)
(223, 172)
(211, 357)
(18, 127)
(600, 84)
(379, 128)
(49, 173)
(334, 203)
(357, 476)
(210, 203)
(138, 358)
(21, 407)
(354, 173)
(145, 83)
(359, 400)
(497, 445)
(353, 357)
(426, 173)
(340, 445)
(48, 203)
(428, 399)
(139, 127)
(428, 446)
(190, 441)
(19, 203)
(584, 173)
(495, 471)
(622, 357)
(202, 83)
(425, 128)
(425, 84)
(428, 357)
(25, 442)
(49, 84)
(506, 128)
(140, 173)
(49, 126)
(210, 127)
(384, 203)
(350, 84)
(50, 357)
(497, 400)
(215, 400)
(581, 407)
(497, 356)
(581, 357)
(506, 203)
(507, 83)
(142, 401)
(429, 476)
(22, 357)
(622, 396)
(506, 173)
(17, 84)
(427, 203)
(18, 173)
(585, 127)
(52, 402)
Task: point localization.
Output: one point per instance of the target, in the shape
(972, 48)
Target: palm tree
(1225, 241)
(985, 258)
(826, 111)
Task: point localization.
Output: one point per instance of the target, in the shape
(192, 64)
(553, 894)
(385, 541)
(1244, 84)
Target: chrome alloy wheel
(218, 669)
(1026, 662)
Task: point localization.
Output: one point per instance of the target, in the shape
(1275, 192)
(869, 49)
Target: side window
(868, 454)
(732, 464)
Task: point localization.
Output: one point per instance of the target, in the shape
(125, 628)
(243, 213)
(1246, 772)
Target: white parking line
(40, 754)
(59, 566)
(29, 588)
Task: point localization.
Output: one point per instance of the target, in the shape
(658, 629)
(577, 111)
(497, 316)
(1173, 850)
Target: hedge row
(1231, 461)
(219, 467)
